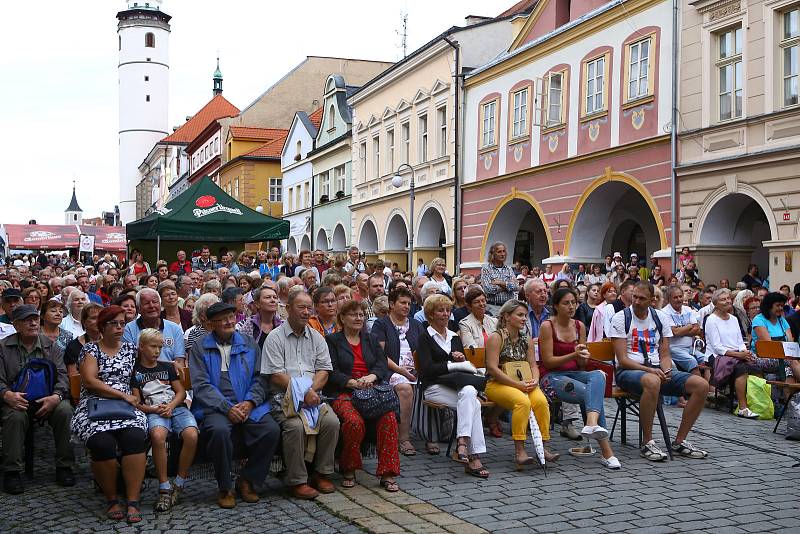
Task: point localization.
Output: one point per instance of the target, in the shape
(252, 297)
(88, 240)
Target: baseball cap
(24, 311)
(617, 254)
(12, 293)
(218, 308)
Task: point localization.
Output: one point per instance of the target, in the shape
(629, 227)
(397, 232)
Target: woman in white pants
(449, 379)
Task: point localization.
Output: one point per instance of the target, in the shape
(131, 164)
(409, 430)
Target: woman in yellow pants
(507, 344)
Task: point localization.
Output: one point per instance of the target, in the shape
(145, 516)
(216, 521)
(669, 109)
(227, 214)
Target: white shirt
(71, 324)
(643, 338)
(704, 312)
(686, 316)
(442, 341)
(723, 335)
(6, 330)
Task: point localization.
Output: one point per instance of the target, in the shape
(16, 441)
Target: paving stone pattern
(748, 484)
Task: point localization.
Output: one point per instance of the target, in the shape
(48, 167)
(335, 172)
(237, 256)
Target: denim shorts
(631, 381)
(682, 357)
(181, 419)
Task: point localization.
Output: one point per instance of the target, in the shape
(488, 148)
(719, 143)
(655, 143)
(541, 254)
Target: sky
(58, 92)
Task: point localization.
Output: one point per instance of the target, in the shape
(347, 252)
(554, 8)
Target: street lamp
(397, 182)
(260, 207)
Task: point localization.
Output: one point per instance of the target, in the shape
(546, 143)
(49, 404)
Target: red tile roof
(316, 117)
(271, 149)
(520, 7)
(216, 108)
(266, 134)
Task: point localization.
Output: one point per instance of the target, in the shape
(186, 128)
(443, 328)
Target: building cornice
(448, 182)
(613, 151)
(769, 156)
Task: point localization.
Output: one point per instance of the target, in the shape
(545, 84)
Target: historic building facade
(739, 137)
(566, 150)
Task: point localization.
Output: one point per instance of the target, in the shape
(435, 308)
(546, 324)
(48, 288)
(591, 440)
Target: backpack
(37, 379)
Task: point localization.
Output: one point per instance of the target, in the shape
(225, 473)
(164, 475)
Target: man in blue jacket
(228, 398)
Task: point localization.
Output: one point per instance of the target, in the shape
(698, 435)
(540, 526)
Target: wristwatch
(60, 396)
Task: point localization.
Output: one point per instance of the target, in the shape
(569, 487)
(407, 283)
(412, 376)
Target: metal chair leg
(453, 433)
(783, 411)
(624, 422)
(662, 420)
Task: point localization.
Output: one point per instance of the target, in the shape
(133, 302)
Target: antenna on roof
(404, 33)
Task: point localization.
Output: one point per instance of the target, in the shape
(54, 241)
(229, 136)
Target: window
(275, 189)
(120, 42)
(149, 40)
(147, 98)
(405, 132)
(376, 156)
(236, 188)
(390, 149)
(729, 65)
(441, 120)
(298, 149)
(488, 129)
(790, 56)
(147, 78)
(595, 85)
(423, 138)
(339, 177)
(519, 125)
(325, 184)
(297, 193)
(290, 200)
(555, 99)
(331, 118)
(307, 197)
(362, 158)
(639, 69)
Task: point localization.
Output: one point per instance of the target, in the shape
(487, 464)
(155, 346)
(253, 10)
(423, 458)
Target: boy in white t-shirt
(644, 367)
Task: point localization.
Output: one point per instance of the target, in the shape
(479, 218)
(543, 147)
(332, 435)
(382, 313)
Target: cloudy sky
(58, 94)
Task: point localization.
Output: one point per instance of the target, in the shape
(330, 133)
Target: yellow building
(252, 174)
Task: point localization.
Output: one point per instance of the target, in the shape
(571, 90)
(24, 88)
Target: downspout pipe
(674, 138)
(456, 162)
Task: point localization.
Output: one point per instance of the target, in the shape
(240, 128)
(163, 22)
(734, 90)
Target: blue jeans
(682, 358)
(587, 388)
(181, 419)
(631, 381)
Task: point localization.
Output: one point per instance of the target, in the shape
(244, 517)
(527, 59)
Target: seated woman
(474, 330)
(440, 356)
(261, 323)
(398, 334)
(603, 312)
(73, 350)
(106, 369)
(564, 359)
(360, 363)
(52, 315)
(509, 344)
(169, 303)
(127, 301)
(324, 321)
(460, 307)
(724, 340)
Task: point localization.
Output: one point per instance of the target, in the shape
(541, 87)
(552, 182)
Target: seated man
(684, 326)
(229, 397)
(641, 335)
(18, 411)
(295, 354)
(148, 301)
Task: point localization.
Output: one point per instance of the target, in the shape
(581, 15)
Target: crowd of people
(305, 355)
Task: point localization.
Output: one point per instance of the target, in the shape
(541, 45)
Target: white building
(143, 42)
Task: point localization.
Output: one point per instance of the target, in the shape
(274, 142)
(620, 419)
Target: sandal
(136, 516)
(349, 482)
(495, 430)
(432, 449)
(164, 501)
(480, 472)
(117, 515)
(527, 461)
(461, 457)
(390, 485)
(407, 449)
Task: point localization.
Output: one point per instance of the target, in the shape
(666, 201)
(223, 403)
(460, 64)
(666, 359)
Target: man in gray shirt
(291, 351)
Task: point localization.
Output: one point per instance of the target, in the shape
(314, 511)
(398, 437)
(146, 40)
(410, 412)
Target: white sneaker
(595, 432)
(610, 463)
(747, 414)
(651, 451)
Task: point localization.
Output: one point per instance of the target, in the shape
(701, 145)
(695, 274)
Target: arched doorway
(368, 238)
(431, 232)
(519, 226)
(305, 243)
(322, 239)
(614, 217)
(339, 241)
(732, 236)
(291, 245)
(396, 234)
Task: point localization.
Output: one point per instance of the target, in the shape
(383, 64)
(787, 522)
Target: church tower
(73, 214)
(143, 31)
(217, 80)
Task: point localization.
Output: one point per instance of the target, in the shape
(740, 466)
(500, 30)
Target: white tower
(143, 31)
(73, 214)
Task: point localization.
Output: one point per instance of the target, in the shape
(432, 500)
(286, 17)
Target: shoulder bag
(110, 410)
(373, 402)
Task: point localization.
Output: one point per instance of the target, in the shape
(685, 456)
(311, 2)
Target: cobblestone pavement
(747, 484)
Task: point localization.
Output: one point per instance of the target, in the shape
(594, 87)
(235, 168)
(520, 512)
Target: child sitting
(163, 398)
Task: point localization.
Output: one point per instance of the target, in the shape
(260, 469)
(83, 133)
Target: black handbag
(459, 379)
(373, 402)
(110, 410)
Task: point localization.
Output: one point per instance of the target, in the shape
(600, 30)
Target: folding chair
(435, 406)
(774, 350)
(603, 351)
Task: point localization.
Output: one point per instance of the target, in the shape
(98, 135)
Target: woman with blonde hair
(510, 344)
(442, 279)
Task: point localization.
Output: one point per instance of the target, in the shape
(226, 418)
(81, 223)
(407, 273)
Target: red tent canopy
(42, 236)
(107, 238)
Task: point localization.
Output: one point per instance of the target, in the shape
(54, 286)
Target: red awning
(107, 238)
(42, 236)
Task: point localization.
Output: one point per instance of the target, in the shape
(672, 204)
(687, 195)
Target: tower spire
(217, 80)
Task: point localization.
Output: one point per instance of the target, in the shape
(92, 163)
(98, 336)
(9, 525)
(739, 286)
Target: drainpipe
(311, 223)
(457, 177)
(674, 136)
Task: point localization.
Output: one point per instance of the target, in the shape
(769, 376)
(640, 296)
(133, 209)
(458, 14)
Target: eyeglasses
(356, 315)
(116, 324)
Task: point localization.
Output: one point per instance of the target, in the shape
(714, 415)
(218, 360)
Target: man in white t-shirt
(684, 326)
(644, 367)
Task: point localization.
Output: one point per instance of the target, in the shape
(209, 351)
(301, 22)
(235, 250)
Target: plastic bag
(759, 397)
(793, 418)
